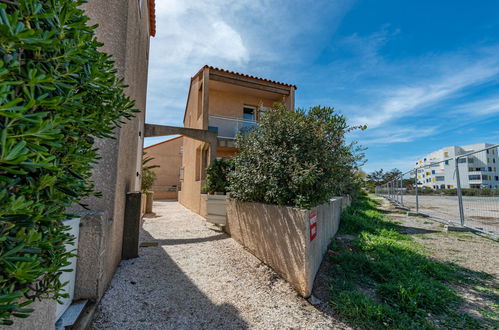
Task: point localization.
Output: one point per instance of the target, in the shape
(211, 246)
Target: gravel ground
(199, 278)
(480, 212)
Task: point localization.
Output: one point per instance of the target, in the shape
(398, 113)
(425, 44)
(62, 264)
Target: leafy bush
(295, 158)
(57, 94)
(217, 173)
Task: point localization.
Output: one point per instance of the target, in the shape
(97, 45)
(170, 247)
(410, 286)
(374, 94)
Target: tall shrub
(296, 158)
(217, 175)
(57, 94)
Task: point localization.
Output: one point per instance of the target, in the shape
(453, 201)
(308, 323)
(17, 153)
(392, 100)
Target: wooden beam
(240, 81)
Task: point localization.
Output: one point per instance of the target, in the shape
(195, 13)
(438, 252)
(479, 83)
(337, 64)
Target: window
(461, 160)
(495, 170)
(474, 177)
(200, 101)
(446, 162)
(249, 113)
(198, 164)
(446, 154)
(440, 178)
(487, 151)
(485, 177)
(471, 160)
(488, 160)
(490, 169)
(493, 160)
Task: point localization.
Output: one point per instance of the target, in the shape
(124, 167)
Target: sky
(421, 75)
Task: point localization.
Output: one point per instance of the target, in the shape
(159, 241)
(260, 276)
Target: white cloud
(398, 135)
(484, 107)
(257, 37)
(400, 101)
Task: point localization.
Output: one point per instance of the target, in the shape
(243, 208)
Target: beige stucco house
(224, 102)
(125, 28)
(168, 156)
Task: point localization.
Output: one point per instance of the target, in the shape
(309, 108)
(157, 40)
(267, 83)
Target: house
(224, 102)
(168, 156)
(125, 28)
(477, 170)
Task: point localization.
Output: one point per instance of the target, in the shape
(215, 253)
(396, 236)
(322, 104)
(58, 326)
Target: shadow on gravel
(152, 292)
(191, 240)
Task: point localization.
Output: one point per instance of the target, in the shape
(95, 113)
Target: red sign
(313, 225)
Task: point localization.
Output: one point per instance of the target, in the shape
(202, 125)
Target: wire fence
(460, 189)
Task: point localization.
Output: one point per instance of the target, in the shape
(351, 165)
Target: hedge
(58, 93)
(296, 158)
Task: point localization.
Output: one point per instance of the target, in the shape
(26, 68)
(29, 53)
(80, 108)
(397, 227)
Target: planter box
(214, 208)
(69, 277)
(290, 240)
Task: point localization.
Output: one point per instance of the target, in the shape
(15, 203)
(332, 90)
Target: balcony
(227, 127)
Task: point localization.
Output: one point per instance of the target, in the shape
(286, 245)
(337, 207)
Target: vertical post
(131, 226)
(416, 184)
(402, 189)
(459, 193)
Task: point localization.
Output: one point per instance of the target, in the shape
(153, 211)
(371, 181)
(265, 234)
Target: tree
(58, 93)
(296, 158)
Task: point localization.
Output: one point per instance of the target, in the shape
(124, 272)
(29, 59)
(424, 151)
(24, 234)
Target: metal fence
(459, 190)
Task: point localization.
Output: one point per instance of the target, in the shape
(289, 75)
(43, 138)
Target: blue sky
(421, 74)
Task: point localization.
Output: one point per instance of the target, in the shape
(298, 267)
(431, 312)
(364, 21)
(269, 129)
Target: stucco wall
(280, 237)
(230, 104)
(167, 155)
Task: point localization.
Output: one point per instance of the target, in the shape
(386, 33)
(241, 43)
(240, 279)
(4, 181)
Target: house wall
(167, 155)
(190, 190)
(199, 107)
(230, 104)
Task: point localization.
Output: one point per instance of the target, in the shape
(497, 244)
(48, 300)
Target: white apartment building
(437, 170)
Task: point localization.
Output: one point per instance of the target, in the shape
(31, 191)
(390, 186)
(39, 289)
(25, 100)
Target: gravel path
(199, 278)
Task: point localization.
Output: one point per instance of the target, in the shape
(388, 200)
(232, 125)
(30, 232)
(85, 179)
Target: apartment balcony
(227, 128)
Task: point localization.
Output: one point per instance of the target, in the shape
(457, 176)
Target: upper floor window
(249, 113)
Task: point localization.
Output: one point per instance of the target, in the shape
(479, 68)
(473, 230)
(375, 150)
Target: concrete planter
(149, 200)
(214, 208)
(143, 204)
(290, 240)
(69, 277)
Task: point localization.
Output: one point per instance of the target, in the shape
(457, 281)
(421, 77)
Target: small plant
(217, 174)
(148, 175)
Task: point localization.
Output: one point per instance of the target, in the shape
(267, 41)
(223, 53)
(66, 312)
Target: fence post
(459, 193)
(402, 190)
(416, 184)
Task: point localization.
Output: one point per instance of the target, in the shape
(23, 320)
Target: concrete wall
(280, 237)
(168, 156)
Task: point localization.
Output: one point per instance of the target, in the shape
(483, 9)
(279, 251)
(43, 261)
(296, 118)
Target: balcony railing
(227, 127)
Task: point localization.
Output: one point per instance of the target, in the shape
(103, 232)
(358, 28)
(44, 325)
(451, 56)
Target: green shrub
(295, 158)
(148, 175)
(217, 175)
(57, 94)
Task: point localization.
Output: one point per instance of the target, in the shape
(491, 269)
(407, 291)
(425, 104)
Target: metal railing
(227, 127)
(461, 190)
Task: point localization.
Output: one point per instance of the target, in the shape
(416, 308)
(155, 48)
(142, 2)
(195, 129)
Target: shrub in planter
(57, 94)
(296, 158)
(217, 173)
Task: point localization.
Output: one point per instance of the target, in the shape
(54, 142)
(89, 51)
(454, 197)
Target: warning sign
(313, 225)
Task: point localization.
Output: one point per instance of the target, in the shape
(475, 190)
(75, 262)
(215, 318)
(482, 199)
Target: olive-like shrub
(296, 159)
(57, 94)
